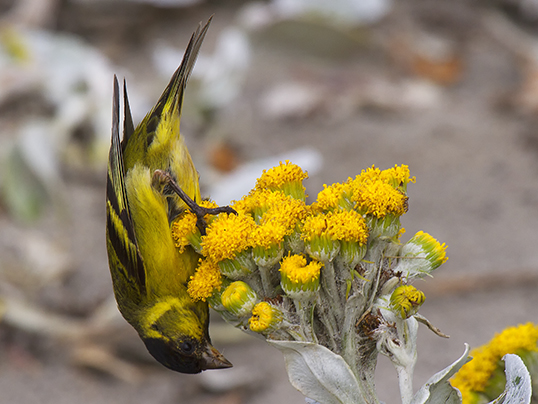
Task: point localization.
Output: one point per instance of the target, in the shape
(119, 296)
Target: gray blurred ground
(472, 145)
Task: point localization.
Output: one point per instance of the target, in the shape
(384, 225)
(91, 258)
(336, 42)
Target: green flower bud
(239, 298)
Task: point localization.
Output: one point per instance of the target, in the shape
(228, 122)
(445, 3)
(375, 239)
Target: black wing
(126, 263)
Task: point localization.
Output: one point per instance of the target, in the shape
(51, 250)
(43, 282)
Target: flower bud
(238, 267)
(239, 298)
(318, 242)
(265, 318)
(420, 256)
(406, 300)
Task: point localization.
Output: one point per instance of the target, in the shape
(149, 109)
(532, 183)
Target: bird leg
(164, 178)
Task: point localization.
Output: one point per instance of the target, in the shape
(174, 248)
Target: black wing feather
(120, 227)
(128, 125)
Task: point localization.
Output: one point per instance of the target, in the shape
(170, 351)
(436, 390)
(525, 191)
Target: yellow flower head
(296, 272)
(514, 339)
(280, 216)
(265, 318)
(265, 205)
(286, 177)
(378, 199)
(277, 216)
(269, 234)
(340, 225)
(372, 174)
(255, 203)
(314, 226)
(474, 376)
(347, 225)
(397, 177)
(319, 243)
(244, 205)
(239, 298)
(406, 300)
(227, 235)
(205, 281)
(333, 197)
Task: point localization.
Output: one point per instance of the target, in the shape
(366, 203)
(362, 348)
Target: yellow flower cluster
(397, 176)
(275, 231)
(373, 192)
(264, 218)
(473, 377)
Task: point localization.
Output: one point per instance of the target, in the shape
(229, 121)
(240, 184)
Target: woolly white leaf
(438, 389)
(319, 373)
(518, 382)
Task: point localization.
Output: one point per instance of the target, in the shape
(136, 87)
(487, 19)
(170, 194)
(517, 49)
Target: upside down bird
(151, 180)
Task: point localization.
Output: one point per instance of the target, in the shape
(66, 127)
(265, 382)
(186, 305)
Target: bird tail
(152, 141)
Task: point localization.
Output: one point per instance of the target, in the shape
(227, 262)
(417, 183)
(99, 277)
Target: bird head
(176, 335)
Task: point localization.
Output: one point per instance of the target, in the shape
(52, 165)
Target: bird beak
(213, 359)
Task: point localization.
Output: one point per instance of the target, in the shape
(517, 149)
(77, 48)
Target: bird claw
(161, 178)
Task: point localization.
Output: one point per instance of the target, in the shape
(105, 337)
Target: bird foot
(164, 178)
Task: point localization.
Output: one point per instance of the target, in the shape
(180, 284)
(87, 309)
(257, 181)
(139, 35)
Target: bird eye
(186, 347)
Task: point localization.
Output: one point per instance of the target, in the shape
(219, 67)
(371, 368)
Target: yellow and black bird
(151, 180)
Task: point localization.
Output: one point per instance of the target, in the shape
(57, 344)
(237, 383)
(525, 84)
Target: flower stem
(265, 275)
(332, 293)
(304, 311)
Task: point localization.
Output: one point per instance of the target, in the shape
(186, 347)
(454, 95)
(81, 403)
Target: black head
(187, 355)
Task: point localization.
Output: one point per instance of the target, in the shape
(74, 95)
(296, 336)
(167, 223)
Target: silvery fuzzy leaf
(518, 382)
(319, 373)
(438, 389)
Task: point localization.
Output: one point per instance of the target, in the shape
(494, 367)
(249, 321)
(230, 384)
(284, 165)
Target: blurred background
(448, 88)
